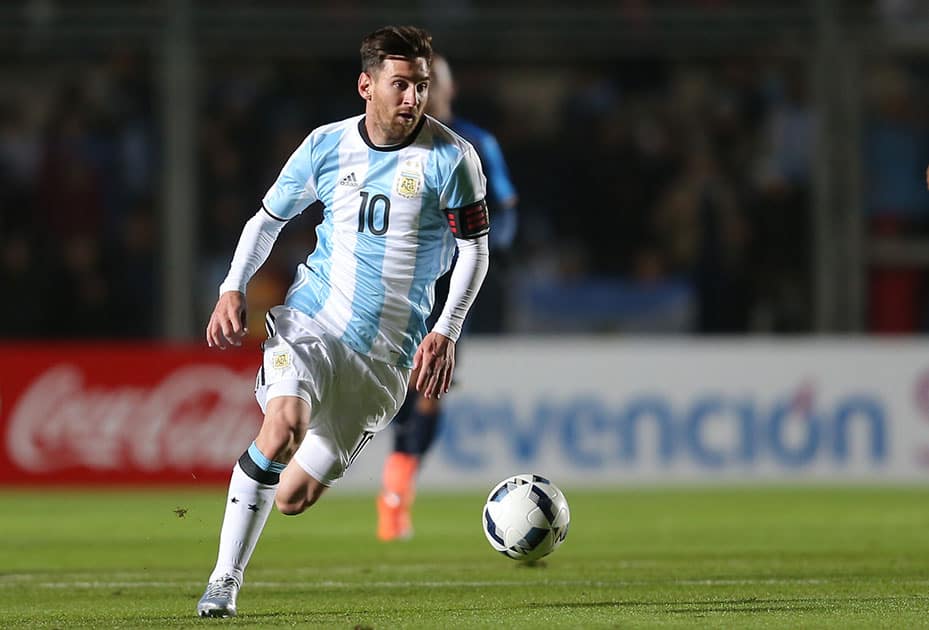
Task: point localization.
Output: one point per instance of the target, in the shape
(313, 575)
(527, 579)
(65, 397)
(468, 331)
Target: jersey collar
(393, 147)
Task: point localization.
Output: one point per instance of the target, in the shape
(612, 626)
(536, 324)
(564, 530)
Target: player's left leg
(358, 404)
(328, 449)
(297, 491)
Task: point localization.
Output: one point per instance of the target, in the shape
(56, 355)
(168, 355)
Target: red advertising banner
(124, 413)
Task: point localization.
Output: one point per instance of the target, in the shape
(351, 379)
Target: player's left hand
(433, 365)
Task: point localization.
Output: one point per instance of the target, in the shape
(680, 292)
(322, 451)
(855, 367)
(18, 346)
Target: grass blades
(668, 558)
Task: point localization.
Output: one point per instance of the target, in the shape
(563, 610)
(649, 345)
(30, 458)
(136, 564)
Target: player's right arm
(292, 192)
(227, 323)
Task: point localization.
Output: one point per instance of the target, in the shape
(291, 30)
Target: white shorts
(351, 396)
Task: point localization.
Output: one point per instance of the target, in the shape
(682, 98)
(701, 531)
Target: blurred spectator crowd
(79, 177)
(656, 195)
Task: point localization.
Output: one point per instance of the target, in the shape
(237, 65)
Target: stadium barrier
(584, 411)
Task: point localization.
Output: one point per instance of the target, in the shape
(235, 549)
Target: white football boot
(219, 598)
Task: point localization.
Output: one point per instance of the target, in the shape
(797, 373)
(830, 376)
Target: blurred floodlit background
(703, 166)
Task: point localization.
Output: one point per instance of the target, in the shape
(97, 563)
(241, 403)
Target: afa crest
(409, 182)
(281, 360)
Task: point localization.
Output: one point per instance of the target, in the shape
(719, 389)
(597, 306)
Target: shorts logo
(280, 360)
(409, 181)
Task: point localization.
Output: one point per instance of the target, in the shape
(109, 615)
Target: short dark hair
(408, 42)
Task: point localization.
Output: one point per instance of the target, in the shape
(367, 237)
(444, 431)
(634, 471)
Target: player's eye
(421, 87)
(400, 85)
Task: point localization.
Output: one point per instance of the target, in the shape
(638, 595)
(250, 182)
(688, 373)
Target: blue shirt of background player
(501, 194)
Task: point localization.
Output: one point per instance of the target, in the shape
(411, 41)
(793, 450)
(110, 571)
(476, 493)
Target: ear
(365, 84)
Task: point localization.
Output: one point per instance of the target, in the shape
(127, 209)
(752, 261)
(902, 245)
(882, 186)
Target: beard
(397, 127)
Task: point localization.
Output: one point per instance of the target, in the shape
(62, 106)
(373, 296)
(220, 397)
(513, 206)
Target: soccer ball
(526, 517)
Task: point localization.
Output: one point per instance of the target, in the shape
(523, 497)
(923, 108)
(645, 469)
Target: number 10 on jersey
(374, 210)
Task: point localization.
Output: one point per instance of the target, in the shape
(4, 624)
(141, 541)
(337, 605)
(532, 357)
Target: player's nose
(410, 96)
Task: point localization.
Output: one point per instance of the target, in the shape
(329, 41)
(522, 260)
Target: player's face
(396, 97)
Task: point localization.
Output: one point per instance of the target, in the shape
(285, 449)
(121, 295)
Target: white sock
(247, 508)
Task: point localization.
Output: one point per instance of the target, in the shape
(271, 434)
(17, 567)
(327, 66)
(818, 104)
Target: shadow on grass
(696, 607)
(748, 605)
(764, 608)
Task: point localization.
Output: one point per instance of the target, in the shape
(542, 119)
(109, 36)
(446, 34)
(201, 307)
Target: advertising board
(585, 411)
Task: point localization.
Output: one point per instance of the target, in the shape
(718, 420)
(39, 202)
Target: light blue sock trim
(263, 462)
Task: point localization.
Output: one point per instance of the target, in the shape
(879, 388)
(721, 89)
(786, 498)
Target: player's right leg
(252, 488)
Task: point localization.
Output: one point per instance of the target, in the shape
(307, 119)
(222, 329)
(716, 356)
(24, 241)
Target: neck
(377, 139)
(378, 136)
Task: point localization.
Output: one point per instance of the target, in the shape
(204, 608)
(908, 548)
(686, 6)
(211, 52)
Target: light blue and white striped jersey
(384, 239)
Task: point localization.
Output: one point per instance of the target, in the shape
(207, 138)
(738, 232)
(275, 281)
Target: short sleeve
(295, 187)
(466, 184)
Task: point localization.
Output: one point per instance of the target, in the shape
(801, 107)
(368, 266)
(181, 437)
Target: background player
(417, 422)
(400, 192)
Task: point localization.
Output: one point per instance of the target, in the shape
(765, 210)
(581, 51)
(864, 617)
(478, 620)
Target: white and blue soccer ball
(526, 517)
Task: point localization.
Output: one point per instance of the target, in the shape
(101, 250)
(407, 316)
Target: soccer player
(417, 422)
(400, 191)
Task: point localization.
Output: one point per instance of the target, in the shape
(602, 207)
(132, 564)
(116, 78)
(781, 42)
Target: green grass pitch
(648, 558)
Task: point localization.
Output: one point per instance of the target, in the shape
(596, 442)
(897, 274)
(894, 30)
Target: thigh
(329, 448)
(296, 361)
(360, 403)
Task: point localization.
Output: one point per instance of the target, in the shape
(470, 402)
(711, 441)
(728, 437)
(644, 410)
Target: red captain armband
(470, 221)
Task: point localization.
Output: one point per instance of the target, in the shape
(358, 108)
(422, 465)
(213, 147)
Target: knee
(283, 428)
(294, 505)
(290, 508)
(428, 406)
(287, 420)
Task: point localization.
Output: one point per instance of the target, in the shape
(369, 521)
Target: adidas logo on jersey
(349, 180)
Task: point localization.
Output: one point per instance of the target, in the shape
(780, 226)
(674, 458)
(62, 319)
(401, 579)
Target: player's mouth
(408, 117)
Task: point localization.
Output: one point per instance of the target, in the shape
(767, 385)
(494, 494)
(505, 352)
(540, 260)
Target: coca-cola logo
(197, 417)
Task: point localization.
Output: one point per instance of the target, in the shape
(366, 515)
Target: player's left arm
(434, 362)
(469, 222)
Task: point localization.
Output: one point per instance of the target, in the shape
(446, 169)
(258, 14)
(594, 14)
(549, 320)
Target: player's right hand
(227, 323)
